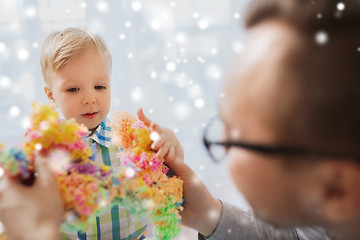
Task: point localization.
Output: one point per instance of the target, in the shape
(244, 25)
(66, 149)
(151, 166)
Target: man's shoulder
(311, 233)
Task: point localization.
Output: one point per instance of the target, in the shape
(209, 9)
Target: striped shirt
(114, 223)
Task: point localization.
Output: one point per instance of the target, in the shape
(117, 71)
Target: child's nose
(89, 100)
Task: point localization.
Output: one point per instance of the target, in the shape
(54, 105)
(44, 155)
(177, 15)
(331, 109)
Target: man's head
(76, 67)
(289, 89)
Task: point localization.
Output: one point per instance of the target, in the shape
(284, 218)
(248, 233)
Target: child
(76, 67)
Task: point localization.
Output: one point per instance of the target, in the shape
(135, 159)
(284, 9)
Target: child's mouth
(89, 115)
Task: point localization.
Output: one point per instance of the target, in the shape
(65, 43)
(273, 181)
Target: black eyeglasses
(217, 149)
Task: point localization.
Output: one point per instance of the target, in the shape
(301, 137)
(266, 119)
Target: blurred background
(168, 56)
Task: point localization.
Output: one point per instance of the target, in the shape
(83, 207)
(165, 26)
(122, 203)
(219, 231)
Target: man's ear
(49, 94)
(341, 193)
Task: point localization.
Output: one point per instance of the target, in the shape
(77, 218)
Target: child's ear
(49, 94)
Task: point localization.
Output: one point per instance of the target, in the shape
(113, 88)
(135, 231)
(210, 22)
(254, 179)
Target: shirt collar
(102, 134)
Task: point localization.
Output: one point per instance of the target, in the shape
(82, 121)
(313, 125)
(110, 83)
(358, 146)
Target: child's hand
(165, 142)
(31, 212)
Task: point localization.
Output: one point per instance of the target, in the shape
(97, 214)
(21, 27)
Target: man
(291, 127)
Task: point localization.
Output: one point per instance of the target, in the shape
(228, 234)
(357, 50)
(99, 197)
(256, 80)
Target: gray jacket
(236, 224)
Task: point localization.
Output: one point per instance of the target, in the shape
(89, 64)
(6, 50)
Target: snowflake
(340, 6)
(321, 37)
(136, 6)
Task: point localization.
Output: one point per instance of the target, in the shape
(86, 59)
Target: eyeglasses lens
(214, 133)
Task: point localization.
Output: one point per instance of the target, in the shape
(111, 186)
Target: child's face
(81, 89)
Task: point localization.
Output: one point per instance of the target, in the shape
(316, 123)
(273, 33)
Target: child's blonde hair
(61, 47)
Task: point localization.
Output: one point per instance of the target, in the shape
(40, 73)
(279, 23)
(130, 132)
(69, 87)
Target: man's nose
(89, 100)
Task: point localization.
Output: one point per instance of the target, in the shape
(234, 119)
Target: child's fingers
(158, 143)
(171, 154)
(163, 151)
(155, 128)
(143, 118)
(156, 136)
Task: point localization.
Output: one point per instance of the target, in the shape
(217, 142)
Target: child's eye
(72, 90)
(100, 87)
